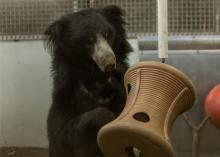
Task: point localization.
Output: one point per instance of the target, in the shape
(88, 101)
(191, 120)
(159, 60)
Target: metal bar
(181, 52)
(182, 42)
(162, 28)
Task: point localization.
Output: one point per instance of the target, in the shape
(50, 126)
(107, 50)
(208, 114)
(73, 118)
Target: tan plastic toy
(156, 94)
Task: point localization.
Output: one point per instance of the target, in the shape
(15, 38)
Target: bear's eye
(90, 40)
(108, 35)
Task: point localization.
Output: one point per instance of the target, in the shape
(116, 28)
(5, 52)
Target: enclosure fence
(28, 19)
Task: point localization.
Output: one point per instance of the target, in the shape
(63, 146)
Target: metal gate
(27, 19)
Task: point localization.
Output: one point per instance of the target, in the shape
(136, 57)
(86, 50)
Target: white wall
(25, 88)
(25, 92)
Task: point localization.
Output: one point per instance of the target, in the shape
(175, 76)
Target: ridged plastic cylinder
(156, 94)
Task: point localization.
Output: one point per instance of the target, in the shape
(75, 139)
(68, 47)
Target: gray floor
(23, 152)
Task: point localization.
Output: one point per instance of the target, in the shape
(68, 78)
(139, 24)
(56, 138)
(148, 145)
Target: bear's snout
(109, 62)
(103, 55)
(109, 68)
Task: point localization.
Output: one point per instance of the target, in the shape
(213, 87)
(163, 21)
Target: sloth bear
(89, 52)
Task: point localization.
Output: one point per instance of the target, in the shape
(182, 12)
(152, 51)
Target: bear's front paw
(95, 119)
(104, 114)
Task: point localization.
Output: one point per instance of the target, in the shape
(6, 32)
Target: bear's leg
(79, 137)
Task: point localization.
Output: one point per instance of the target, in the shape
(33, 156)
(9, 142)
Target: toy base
(119, 139)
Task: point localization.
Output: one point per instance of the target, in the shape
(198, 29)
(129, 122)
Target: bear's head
(91, 37)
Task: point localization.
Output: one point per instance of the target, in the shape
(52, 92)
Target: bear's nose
(109, 68)
(109, 62)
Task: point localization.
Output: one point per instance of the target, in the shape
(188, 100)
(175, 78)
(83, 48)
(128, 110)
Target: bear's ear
(52, 35)
(115, 15)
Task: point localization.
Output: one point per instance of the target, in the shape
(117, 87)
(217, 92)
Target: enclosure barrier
(182, 43)
(28, 19)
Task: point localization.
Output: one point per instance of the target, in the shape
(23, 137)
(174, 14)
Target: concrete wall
(25, 89)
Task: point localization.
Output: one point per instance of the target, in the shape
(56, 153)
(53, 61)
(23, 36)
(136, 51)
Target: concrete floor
(23, 152)
(43, 152)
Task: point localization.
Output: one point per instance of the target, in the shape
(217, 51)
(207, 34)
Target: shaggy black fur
(83, 98)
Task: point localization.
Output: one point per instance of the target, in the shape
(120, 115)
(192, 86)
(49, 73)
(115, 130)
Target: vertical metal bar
(75, 6)
(162, 29)
(217, 16)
